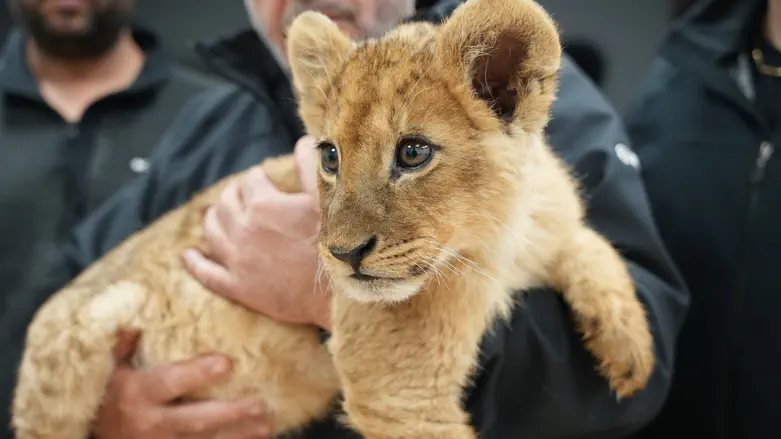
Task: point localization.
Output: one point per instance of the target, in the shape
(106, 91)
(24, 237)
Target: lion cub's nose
(357, 254)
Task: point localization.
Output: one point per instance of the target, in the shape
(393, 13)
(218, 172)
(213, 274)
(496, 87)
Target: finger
(306, 159)
(166, 383)
(208, 416)
(213, 276)
(127, 340)
(256, 186)
(230, 208)
(220, 247)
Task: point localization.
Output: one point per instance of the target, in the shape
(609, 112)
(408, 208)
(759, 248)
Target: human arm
(218, 133)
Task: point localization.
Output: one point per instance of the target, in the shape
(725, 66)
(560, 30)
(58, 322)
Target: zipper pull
(766, 150)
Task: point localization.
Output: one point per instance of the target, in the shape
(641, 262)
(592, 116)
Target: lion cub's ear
(509, 53)
(317, 49)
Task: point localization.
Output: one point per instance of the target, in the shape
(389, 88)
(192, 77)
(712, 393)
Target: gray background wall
(627, 31)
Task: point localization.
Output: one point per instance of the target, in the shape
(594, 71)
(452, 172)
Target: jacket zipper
(766, 150)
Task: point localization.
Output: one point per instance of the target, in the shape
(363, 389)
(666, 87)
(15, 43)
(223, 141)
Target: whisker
(431, 266)
(438, 273)
(452, 253)
(448, 265)
(469, 263)
(318, 275)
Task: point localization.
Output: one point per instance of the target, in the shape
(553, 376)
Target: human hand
(139, 403)
(263, 248)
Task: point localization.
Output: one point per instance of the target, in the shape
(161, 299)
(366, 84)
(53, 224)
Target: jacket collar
(711, 41)
(17, 79)
(717, 30)
(244, 59)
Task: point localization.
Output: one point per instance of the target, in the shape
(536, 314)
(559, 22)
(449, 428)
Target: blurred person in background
(84, 96)
(537, 380)
(706, 124)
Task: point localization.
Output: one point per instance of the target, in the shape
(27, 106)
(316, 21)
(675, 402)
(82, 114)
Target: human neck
(71, 86)
(772, 24)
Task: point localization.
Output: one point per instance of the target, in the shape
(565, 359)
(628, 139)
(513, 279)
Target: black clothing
(708, 154)
(53, 173)
(538, 380)
(768, 87)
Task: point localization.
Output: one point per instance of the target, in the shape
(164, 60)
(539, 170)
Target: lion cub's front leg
(403, 368)
(595, 283)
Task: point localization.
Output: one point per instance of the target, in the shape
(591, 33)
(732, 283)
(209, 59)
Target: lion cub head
(423, 136)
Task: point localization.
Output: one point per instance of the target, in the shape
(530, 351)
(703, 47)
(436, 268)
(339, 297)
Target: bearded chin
(96, 39)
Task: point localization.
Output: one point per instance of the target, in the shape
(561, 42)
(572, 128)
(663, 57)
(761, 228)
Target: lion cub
(439, 199)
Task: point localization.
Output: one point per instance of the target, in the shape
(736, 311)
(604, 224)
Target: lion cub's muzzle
(355, 256)
(372, 259)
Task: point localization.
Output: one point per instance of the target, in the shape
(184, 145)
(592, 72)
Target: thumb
(306, 155)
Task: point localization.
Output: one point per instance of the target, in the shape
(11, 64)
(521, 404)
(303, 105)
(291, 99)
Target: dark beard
(105, 27)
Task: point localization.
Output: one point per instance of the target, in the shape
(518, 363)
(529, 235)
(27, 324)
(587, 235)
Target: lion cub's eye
(413, 153)
(330, 158)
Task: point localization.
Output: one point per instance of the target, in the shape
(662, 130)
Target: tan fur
(142, 283)
(494, 212)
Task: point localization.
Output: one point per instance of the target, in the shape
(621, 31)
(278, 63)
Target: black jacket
(712, 172)
(538, 381)
(53, 172)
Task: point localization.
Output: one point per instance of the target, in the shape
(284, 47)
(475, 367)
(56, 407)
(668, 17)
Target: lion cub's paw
(622, 343)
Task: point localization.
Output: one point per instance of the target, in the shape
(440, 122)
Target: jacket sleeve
(538, 380)
(219, 133)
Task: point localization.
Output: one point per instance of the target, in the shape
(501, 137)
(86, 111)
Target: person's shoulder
(578, 94)
(660, 76)
(222, 130)
(232, 108)
(180, 85)
(187, 77)
(582, 117)
(221, 100)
